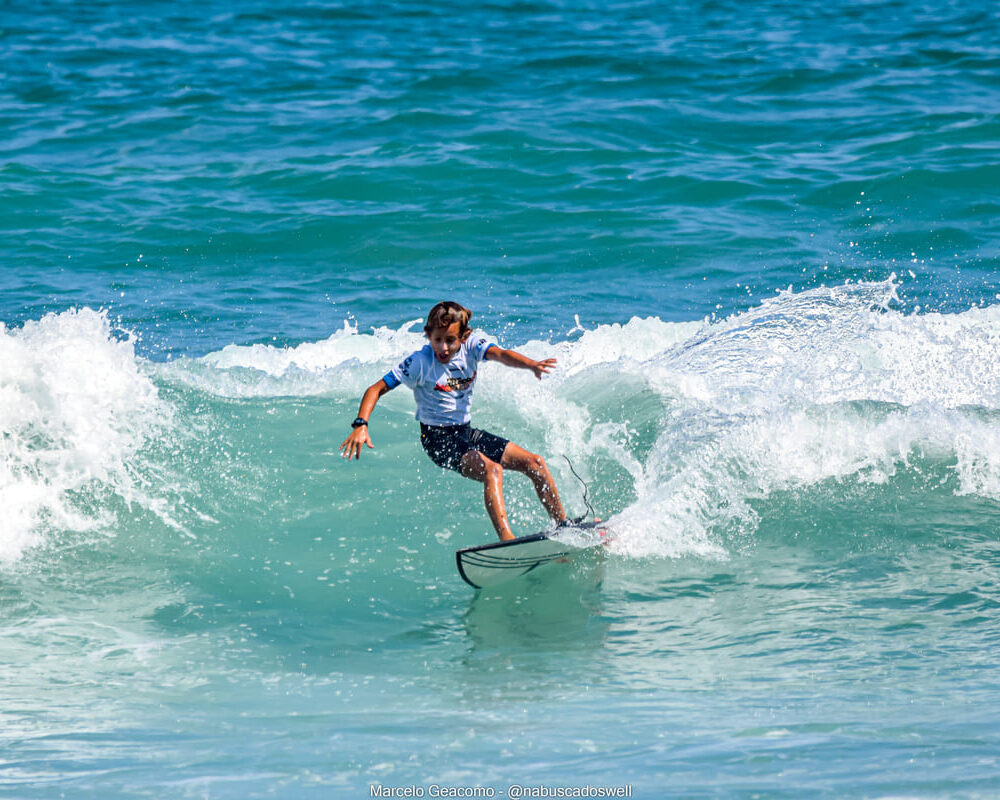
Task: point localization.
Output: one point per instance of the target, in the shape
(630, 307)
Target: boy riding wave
(442, 376)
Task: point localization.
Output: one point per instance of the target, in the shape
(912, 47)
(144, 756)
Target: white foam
(74, 410)
(824, 385)
(345, 346)
(834, 345)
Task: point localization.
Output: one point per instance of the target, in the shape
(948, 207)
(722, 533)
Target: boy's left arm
(511, 358)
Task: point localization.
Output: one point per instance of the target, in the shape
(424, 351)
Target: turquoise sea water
(762, 241)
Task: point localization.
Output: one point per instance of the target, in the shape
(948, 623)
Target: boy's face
(446, 342)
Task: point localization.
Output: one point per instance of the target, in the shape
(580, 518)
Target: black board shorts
(446, 444)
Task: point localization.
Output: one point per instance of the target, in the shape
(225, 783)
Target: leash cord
(586, 501)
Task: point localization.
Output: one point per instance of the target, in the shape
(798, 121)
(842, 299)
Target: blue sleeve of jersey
(409, 371)
(479, 345)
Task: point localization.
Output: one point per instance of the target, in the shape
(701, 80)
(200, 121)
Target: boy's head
(446, 314)
(447, 327)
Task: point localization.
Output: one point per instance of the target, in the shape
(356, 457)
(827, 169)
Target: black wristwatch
(359, 422)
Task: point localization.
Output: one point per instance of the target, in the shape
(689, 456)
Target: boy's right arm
(351, 447)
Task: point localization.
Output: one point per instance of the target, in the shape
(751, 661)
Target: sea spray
(76, 409)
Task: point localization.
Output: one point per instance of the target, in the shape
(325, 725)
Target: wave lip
(841, 344)
(344, 363)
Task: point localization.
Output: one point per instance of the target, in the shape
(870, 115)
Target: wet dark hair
(446, 314)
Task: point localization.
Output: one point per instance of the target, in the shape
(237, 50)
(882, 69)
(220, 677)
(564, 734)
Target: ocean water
(763, 242)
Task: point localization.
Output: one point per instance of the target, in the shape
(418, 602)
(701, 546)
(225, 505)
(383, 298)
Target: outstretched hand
(351, 448)
(543, 367)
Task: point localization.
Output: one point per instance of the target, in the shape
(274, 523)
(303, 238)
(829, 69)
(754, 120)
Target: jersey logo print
(455, 384)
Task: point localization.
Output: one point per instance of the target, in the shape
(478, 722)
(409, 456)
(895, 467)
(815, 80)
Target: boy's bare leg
(534, 466)
(478, 467)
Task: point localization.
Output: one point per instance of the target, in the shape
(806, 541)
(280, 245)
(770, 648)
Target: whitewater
(682, 427)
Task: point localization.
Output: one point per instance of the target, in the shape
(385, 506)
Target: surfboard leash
(586, 501)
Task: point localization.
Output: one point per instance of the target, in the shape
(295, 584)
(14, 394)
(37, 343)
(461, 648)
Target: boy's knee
(477, 463)
(536, 463)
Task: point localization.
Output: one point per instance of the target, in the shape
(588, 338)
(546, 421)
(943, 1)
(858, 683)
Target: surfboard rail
(486, 565)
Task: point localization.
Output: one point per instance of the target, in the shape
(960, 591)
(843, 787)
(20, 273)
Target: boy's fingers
(352, 449)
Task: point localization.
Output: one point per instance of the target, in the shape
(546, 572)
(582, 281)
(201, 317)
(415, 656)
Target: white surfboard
(490, 564)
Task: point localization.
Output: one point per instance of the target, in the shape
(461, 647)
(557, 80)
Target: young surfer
(442, 376)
